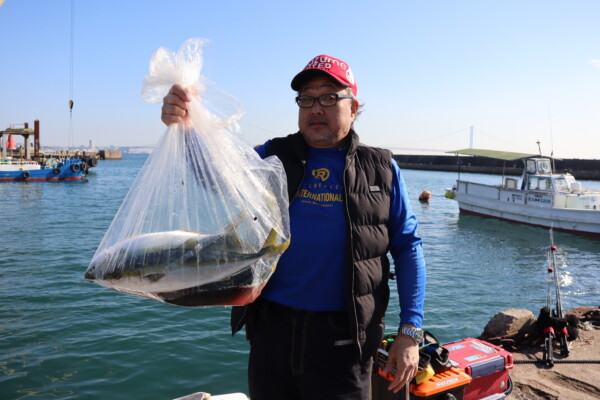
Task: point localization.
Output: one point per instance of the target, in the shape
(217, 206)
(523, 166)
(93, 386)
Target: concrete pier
(110, 154)
(580, 169)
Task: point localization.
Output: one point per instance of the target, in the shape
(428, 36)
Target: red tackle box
(487, 364)
(449, 384)
(441, 386)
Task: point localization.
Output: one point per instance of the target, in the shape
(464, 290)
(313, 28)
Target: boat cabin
(538, 175)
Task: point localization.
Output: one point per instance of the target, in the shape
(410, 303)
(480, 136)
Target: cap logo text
(321, 62)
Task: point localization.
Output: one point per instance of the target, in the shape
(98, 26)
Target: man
(320, 318)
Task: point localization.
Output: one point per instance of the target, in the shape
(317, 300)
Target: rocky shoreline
(568, 378)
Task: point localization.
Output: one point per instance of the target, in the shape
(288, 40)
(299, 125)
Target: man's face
(326, 127)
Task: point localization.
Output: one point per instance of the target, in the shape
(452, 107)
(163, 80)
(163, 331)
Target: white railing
(11, 162)
(20, 165)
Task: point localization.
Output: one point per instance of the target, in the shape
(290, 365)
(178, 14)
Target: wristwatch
(415, 333)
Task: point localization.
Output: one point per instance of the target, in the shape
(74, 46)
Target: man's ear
(355, 106)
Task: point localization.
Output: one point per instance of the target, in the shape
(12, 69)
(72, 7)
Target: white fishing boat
(541, 197)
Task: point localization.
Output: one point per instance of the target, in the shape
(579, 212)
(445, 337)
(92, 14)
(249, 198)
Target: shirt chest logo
(321, 173)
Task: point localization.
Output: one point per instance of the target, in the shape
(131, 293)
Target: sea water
(64, 338)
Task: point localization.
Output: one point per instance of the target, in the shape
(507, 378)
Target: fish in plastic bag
(206, 220)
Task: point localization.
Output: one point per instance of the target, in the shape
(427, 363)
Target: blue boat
(16, 166)
(53, 169)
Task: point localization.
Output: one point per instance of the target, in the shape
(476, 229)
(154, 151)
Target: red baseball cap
(332, 66)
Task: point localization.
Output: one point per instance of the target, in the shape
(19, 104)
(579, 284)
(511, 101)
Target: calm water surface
(64, 338)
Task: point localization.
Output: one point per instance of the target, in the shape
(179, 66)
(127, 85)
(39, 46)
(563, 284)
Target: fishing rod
(553, 318)
(554, 304)
(564, 345)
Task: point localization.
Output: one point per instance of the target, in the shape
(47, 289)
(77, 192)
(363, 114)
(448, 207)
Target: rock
(577, 379)
(508, 323)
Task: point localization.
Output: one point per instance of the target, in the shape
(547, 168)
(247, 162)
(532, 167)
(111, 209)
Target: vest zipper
(301, 182)
(350, 252)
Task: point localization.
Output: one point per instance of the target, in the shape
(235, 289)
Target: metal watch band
(415, 333)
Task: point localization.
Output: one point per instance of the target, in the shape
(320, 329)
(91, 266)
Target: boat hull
(526, 207)
(547, 226)
(69, 171)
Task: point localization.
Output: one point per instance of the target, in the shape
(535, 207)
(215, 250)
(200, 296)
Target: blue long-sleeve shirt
(310, 274)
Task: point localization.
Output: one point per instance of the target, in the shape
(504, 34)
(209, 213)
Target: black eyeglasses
(326, 100)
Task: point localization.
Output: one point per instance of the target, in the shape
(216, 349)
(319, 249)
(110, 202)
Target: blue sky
(518, 71)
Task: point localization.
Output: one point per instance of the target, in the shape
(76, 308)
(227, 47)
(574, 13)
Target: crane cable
(71, 74)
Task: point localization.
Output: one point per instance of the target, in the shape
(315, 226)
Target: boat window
(561, 184)
(531, 166)
(544, 166)
(545, 184)
(532, 183)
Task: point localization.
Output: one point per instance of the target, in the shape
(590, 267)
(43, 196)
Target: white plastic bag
(206, 220)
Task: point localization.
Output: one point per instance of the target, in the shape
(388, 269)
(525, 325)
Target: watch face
(419, 335)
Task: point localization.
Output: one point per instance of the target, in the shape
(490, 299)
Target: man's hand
(175, 108)
(404, 356)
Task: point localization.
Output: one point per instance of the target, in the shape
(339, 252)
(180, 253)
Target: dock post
(36, 139)
(26, 140)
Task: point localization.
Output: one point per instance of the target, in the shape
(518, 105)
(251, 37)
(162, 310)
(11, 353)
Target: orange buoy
(425, 195)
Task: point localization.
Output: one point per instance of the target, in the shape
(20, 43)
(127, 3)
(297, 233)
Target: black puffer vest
(367, 186)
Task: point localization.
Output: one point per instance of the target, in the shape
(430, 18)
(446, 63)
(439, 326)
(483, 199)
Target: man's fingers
(404, 356)
(403, 374)
(169, 119)
(177, 91)
(173, 101)
(175, 108)
(399, 373)
(172, 114)
(398, 382)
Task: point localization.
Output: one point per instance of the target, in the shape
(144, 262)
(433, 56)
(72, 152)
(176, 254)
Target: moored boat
(66, 169)
(20, 165)
(540, 198)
